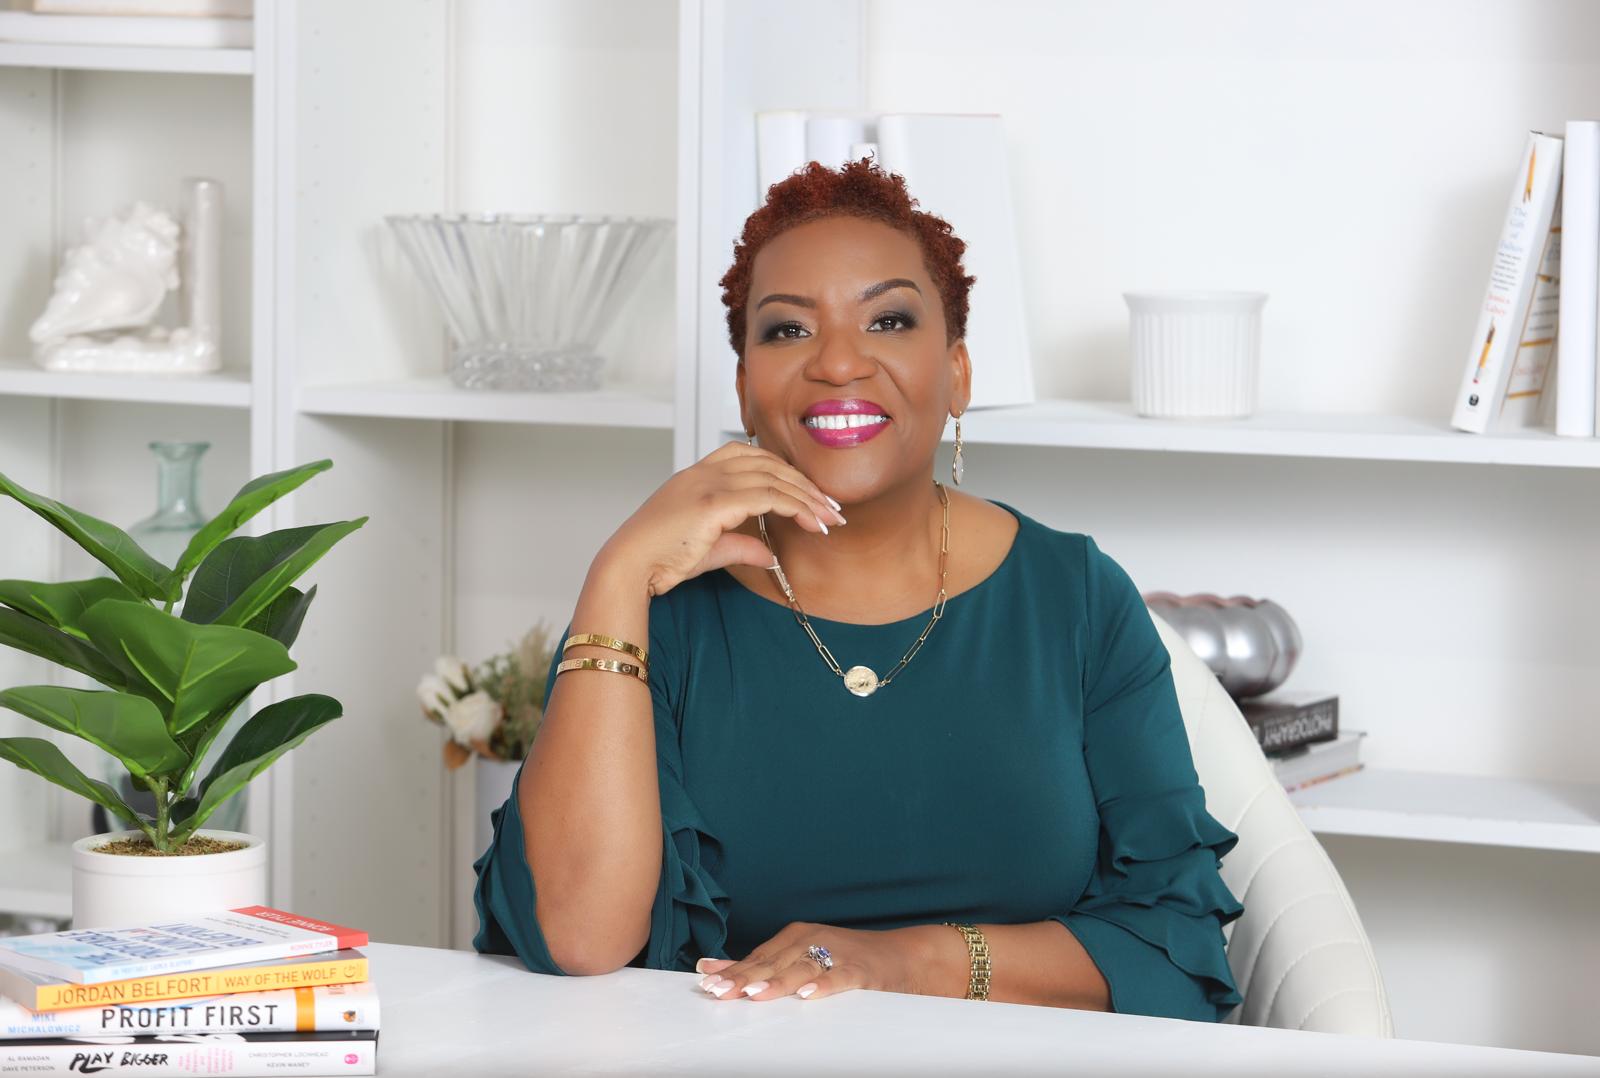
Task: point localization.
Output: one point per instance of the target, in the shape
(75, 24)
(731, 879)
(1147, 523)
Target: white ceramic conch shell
(117, 279)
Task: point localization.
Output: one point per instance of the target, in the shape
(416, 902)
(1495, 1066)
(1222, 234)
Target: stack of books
(1299, 733)
(251, 991)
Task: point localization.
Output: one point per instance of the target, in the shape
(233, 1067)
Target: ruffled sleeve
(1151, 917)
(690, 917)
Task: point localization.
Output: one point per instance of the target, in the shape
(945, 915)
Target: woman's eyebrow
(871, 292)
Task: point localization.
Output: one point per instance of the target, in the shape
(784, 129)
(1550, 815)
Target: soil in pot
(140, 847)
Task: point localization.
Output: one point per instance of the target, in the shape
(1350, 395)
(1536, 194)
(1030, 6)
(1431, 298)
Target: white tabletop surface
(455, 1013)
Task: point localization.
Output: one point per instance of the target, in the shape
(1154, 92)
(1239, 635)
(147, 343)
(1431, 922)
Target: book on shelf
(182, 1054)
(250, 934)
(1503, 387)
(1288, 718)
(1319, 762)
(323, 1009)
(43, 992)
(1577, 339)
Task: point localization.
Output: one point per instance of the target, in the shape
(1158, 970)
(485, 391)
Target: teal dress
(1029, 764)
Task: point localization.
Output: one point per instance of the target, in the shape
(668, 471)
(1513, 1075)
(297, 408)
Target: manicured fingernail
(720, 988)
(825, 527)
(752, 989)
(708, 980)
(833, 503)
(700, 966)
(806, 990)
(840, 515)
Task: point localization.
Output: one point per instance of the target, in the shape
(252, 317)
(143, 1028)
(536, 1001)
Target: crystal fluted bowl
(526, 296)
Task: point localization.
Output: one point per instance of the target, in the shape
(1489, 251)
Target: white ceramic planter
(1196, 355)
(108, 890)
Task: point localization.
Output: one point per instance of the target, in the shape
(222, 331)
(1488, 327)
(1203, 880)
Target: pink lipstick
(843, 423)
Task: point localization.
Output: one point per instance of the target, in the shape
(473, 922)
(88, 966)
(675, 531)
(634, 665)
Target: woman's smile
(843, 423)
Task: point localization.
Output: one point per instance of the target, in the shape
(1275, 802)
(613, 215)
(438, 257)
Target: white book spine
(288, 1010)
(1580, 280)
(1519, 258)
(179, 1059)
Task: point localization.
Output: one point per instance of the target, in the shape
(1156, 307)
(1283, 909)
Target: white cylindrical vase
(1196, 355)
(109, 890)
(493, 780)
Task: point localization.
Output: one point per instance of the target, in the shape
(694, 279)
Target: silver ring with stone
(820, 956)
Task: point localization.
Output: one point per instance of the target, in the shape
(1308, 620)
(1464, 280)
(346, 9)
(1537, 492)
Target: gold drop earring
(955, 465)
(749, 437)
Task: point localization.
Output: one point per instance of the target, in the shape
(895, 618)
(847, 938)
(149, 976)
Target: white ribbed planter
(108, 890)
(1196, 355)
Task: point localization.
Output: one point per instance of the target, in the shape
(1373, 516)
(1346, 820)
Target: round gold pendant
(861, 681)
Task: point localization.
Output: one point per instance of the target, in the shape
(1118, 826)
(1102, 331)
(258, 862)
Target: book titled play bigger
(201, 941)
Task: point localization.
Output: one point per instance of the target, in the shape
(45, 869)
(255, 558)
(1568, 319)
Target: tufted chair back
(1298, 952)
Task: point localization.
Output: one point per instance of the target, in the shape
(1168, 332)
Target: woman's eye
(781, 331)
(905, 320)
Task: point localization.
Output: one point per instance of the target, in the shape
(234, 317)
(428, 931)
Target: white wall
(1354, 161)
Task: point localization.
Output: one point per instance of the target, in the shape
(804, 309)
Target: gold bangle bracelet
(600, 640)
(612, 665)
(978, 953)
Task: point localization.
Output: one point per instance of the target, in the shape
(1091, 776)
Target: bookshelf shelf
(165, 60)
(38, 880)
(438, 398)
(1440, 807)
(225, 389)
(1114, 425)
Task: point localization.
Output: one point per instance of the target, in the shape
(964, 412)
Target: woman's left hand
(889, 961)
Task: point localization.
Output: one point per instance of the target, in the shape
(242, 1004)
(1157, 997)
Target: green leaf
(282, 619)
(44, 759)
(269, 733)
(242, 577)
(197, 742)
(128, 727)
(36, 638)
(253, 497)
(107, 543)
(61, 605)
(194, 670)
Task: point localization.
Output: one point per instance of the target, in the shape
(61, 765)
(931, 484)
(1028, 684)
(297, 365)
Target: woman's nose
(841, 358)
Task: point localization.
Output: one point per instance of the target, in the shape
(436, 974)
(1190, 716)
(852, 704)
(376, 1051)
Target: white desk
(459, 1014)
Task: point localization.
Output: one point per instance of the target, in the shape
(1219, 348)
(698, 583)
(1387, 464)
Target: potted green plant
(172, 679)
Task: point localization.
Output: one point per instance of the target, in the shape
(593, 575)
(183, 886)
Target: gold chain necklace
(861, 680)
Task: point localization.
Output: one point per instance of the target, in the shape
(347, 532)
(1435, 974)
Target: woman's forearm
(589, 795)
(1041, 963)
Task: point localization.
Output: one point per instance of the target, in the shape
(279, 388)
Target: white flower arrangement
(493, 711)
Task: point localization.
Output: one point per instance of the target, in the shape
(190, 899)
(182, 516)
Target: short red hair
(858, 189)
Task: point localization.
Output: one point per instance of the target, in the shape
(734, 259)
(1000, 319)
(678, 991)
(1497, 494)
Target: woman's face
(844, 319)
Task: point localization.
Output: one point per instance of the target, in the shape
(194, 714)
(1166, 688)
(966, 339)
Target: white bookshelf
(148, 58)
(437, 398)
(339, 336)
(224, 389)
(1070, 424)
(37, 879)
(1438, 807)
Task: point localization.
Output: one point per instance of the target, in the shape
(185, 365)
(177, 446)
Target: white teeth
(842, 422)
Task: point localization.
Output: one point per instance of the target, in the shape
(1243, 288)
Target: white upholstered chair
(1298, 952)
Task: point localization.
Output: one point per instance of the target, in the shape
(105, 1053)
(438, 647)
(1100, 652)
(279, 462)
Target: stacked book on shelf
(1299, 733)
(250, 991)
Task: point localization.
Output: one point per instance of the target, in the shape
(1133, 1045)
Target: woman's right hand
(687, 526)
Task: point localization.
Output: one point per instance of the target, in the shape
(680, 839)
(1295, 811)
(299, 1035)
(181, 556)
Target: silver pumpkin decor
(1250, 644)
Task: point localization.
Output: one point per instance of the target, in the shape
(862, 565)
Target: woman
(953, 765)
